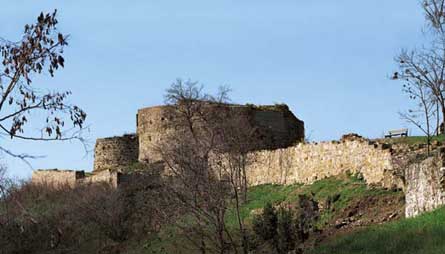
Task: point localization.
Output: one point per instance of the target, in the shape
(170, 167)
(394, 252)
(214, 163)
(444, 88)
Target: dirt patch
(364, 212)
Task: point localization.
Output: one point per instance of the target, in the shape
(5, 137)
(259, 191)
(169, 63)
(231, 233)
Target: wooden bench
(394, 133)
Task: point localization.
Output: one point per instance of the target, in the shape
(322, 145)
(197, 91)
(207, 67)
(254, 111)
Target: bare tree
(187, 153)
(423, 70)
(424, 113)
(232, 159)
(206, 154)
(435, 14)
(39, 51)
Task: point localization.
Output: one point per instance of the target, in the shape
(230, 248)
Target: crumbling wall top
(114, 152)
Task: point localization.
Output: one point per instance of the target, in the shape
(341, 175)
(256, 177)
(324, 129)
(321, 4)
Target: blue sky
(328, 60)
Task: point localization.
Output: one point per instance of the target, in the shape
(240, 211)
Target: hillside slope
(424, 234)
(346, 203)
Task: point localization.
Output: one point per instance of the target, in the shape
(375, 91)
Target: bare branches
(423, 66)
(23, 156)
(423, 73)
(205, 154)
(435, 13)
(423, 115)
(39, 51)
(191, 91)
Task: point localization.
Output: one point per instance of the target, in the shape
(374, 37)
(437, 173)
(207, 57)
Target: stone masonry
(57, 177)
(306, 163)
(60, 178)
(425, 186)
(277, 125)
(114, 152)
(153, 125)
(281, 157)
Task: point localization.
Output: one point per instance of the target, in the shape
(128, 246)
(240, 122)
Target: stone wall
(277, 127)
(72, 178)
(280, 127)
(115, 152)
(57, 177)
(153, 125)
(425, 186)
(306, 163)
(104, 176)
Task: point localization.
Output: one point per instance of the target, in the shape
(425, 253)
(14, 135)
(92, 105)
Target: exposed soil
(364, 212)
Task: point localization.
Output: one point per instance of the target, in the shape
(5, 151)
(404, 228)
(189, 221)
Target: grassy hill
(424, 234)
(100, 219)
(346, 194)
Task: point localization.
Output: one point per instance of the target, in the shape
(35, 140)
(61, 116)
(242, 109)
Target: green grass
(258, 197)
(346, 188)
(422, 235)
(413, 140)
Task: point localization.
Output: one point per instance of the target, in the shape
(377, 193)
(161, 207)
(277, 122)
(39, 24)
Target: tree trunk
(240, 223)
(243, 165)
(442, 124)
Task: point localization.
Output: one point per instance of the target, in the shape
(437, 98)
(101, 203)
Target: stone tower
(278, 126)
(114, 152)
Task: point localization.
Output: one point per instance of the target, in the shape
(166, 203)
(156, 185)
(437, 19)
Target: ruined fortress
(279, 128)
(281, 157)
(277, 125)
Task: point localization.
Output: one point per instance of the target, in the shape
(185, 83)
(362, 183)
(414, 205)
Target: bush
(34, 220)
(276, 228)
(286, 229)
(43, 219)
(286, 232)
(308, 214)
(265, 225)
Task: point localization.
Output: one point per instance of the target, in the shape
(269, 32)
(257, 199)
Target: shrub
(308, 214)
(265, 225)
(286, 235)
(287, 228)
(43, 219)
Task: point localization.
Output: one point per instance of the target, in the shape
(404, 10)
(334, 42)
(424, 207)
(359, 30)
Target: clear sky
(328, 60)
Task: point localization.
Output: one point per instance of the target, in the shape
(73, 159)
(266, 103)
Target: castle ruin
(277, 125)
(281, 157)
